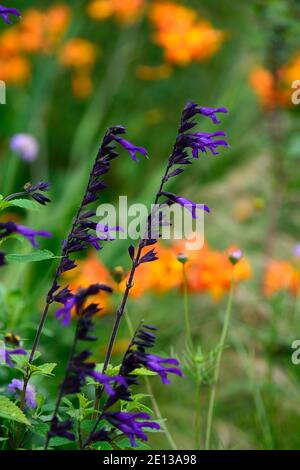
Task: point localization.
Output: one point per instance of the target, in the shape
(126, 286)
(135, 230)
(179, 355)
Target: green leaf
(44, 369)
(59, 441)
(143, 371)
(38, 255)
(25, 204)
(10, 411)
(1, 197)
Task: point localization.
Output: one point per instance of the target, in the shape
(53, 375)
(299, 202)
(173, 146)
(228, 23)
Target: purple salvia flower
(106, 381)
(157, 364)
(131, 149)
(31, 234)
(6, 353)
(7, 228)
(131, 425)
(76, 301)
(65, 311)
(103, 232)
(5, 12)
(186, 203)
(16, 387)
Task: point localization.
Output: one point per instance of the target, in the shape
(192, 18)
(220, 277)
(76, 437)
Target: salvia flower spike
(82, 233)
(136, 356)
(188, 146)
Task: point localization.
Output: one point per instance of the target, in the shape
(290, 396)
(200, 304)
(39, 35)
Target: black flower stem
(61, 392)
(13, 196)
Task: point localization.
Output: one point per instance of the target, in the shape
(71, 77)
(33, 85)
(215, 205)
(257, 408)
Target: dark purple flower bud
(16, 387)
(148, 257)
(98, 436)
(2, 259)
(32, 190)
(6, 353)
(5, 12)
(61, 429)
(131, 425)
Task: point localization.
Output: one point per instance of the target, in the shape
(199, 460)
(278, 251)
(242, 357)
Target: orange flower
(207, 271)
(211, 271)
(184, 36)
(125, 11)
(160, 276)
(14, 69)
(275, 92)
(78, 53)
(82, 85)
(41, 31)
(281, 276)
(145, 72)
(91, 271)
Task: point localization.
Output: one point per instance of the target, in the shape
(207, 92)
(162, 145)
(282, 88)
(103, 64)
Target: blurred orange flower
(160, 276)
(91, 271)
(277, 91)
(78, 53)
(39, 31)
(281, 276)
(145, 72)
(15, 69)
(211, 271)
(207, 271)
(184, 36)
(125, 11)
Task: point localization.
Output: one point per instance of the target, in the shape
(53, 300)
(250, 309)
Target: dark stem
(61, 392)
(13, 196)
(49, 298)
(121, 309)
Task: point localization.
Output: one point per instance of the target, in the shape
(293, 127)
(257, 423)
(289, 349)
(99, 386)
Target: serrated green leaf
(44, 369)
(38, 255)
(10, 411)
(25, 204)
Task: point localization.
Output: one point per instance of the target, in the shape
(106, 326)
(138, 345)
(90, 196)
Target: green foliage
(10, 411)
(34, 256)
